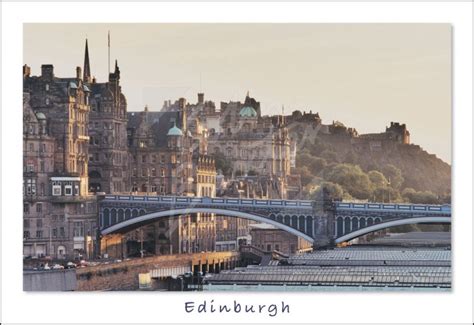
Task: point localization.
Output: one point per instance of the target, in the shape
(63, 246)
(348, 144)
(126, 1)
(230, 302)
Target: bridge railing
(411, 208)
(306, 204)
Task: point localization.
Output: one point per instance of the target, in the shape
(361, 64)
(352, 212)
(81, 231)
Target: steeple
(87, 68)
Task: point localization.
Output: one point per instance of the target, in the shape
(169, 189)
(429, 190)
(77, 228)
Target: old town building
(167, 161)
(253, 144)
(59, 214)
(108, 152)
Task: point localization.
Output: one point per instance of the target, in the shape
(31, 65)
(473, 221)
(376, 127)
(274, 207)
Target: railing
(300, 204)
(211, 201)
(252, 250)
(436, 209)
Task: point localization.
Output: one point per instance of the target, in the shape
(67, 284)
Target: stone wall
(124, 275)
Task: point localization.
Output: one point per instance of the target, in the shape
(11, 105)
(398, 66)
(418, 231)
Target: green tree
(306, 175)
(377, 178)
(332, 190)
(351, 178)
(394, 174)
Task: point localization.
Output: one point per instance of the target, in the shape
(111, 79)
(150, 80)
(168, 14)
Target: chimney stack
(200, 98)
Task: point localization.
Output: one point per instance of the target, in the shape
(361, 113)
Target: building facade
(59, 214)
(270, 238)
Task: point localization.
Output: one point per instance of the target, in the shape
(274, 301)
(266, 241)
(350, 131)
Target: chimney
(182, 103)
(47, 71)
(200, 98)
(78, 72)
(26, 71)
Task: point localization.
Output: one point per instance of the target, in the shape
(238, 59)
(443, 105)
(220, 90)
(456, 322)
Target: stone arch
(347, 225)
(120, 215)
(354, 223)
(294, 222)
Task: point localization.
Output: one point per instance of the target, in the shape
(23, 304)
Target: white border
(168, 307)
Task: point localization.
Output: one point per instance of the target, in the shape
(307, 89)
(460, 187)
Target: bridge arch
(392, 223)
(176, 212)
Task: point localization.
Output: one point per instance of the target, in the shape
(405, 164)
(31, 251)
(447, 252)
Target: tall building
(108, 152)
(59, 214)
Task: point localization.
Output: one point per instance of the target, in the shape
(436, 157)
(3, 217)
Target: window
(68, 188)
(144, 159)
(269, 247)
(42, 166)
(26, 223)
(56, 188)
(78, 229)
(39, 207)
(42, 189)
(30, 168)
(162, 172)
(30, 186)
(39, 233)
(47, 87)
(76, 189)
(277, 247)
(153, 188)
(144, 172)
(26, 234)
(153, 172)
(26, 208)
(39, 223)
(61, 232)
(134, 173)
(162, 159)
(153, 158)
(55, 232)
(47, 101)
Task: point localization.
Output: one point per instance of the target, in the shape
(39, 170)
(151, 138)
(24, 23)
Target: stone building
(270, 238)
(253, 144)
(59, 214)
(165, 160)
(108, 152)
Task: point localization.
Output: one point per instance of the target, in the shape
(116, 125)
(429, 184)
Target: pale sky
(364, 75)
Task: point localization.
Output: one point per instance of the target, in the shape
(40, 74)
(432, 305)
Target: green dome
(175, 131)
(248, 111)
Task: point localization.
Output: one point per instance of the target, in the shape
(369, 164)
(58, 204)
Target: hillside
(408, 172)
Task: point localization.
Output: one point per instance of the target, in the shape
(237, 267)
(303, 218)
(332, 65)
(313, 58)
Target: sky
(364, 75)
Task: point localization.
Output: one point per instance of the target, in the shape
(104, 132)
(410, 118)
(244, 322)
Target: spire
(87, 69)
(248, 93)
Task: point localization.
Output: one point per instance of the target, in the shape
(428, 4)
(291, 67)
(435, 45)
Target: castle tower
(87, 68)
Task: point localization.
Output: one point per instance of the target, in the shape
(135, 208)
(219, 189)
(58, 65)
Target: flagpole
(108, 44)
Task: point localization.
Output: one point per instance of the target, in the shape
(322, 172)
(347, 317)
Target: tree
(351, 178)
(306, 175)
(421, 197)
(377, 178)
(394, 174)
(333, 192)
